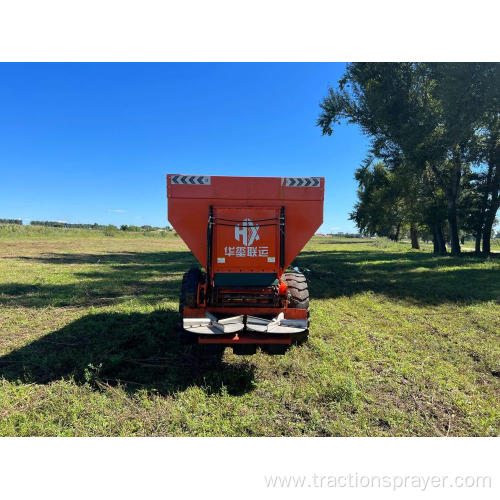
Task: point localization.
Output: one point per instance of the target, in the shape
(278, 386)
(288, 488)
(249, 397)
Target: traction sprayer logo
(248, 231)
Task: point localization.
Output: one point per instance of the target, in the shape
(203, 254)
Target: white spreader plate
(210, 325)
(212, 330)
(278, 325)
(276, 329)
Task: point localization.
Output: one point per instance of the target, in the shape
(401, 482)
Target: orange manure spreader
(245, 232)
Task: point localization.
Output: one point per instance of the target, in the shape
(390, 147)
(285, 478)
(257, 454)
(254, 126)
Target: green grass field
(402, 343)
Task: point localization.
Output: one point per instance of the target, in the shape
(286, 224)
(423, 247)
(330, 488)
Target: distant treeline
(125, 227)
(67, 225)
(95, 226)
(48, 223)
(346, 235)
(11, 221)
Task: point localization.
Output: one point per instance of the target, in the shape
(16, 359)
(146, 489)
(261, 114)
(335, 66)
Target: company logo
(248, 231)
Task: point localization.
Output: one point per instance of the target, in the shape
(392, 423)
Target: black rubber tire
(299, 299)
(297, 287)
(204, 353)
(188, 298)
(189, 288)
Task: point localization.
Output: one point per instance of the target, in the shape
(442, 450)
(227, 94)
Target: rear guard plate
(279, 329)
(210, 325)
(212, 330)
(277, 325)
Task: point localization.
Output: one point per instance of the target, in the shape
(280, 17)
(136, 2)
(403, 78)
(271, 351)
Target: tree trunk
(439, 242)
(435, 240)
(452, 205)
(494, 189)
(442, 243)
(452, 221)
(487, 239)
(484, 206)
(414, 237)
(396, 237)
(478, 243)
(488, 224)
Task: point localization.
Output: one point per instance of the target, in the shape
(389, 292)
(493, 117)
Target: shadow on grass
(329, 241)
(139, 258)
(140, 351)
(412, 276)
(148, 277)
(152, 277)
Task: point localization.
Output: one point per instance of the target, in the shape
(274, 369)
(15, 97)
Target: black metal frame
(213, 221)
(209, 240)
(282, 237)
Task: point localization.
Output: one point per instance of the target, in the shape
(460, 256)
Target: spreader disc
(212, 330)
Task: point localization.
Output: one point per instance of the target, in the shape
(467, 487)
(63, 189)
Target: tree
(467, 97)
(393, 104)
(425, 119)
(391, 201)
(491, 196)
(473, 206)
(378, 211)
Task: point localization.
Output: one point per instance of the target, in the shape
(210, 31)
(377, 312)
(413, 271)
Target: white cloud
(117, 211)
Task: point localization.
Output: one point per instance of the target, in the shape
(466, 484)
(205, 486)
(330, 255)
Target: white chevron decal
(192, 180)
(302, 181)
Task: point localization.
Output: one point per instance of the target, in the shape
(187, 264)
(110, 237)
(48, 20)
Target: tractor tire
(299, 293)
(189, 289)
(299, 299)
(188, 298)
(206, 354)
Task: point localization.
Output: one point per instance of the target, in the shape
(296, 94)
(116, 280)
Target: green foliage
(380, 209)
(428, 123)
(110, 230)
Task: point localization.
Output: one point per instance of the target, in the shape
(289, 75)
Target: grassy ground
(402, 343)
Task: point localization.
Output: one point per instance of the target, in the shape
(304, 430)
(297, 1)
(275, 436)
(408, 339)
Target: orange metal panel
(189, 199)
(247, 246)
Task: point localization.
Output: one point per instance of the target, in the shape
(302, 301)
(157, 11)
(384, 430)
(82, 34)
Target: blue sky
(93, 142)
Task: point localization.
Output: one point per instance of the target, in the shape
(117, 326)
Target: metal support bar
(282, 237)
(209, 240)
